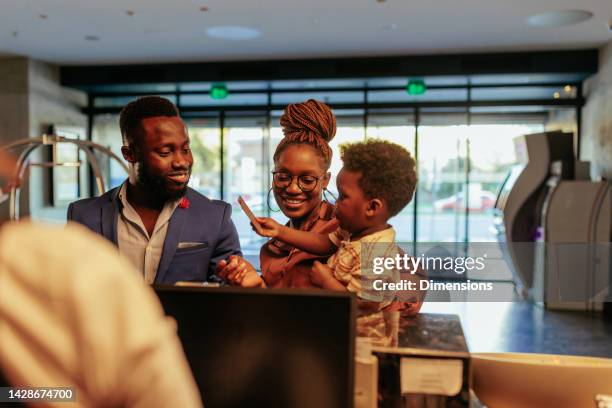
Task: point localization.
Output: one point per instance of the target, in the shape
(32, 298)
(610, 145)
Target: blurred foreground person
(75, 314)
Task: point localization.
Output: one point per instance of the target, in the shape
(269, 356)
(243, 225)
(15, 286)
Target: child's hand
(320, 273)
(268, 227)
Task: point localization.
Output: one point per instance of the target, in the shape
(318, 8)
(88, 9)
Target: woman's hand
(323, 276)
(268, 227)
(237, 271)
(320, 273)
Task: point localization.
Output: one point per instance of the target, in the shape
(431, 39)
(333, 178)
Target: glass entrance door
(442, 167)
(396, 126)
(245, 173)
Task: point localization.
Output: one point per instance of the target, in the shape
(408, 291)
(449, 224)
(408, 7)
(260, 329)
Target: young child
(376, 182)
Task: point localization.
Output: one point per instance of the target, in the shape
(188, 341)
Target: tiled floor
(527, 327)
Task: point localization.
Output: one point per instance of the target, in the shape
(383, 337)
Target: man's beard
(158, 184)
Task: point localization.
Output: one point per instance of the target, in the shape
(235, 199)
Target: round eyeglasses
(306, 182)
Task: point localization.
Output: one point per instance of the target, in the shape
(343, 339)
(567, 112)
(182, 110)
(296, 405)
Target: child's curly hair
(387, 171)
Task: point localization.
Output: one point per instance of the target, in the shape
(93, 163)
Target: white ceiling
(175, 30)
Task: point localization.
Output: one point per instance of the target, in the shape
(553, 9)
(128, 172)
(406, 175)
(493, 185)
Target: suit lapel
(110, 211)
(175, 227)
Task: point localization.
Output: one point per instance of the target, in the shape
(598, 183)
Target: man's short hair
(387, 171)
(132, 114)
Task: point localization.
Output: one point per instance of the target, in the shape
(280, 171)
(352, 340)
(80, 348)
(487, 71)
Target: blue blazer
(205, 221)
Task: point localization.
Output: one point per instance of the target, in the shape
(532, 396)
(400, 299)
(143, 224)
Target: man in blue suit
(169, 231)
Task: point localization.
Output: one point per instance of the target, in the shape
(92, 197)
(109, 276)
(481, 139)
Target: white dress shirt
(134, 242)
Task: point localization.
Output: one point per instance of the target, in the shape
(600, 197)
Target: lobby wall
(32, 99)
(596, 143)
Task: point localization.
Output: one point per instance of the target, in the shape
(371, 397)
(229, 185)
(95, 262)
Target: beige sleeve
(338, 236)
(368, 277)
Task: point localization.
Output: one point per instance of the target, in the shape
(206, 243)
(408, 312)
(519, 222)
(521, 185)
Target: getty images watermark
(487, 271)
(404, 262)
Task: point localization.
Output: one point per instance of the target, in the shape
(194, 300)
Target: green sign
(416, 87)
(218, 91)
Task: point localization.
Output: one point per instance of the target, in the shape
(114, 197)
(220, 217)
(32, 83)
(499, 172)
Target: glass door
(246, 173)
(205, 136)
(442, 169)
(396, 126)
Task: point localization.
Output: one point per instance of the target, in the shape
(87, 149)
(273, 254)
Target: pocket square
(183, 245)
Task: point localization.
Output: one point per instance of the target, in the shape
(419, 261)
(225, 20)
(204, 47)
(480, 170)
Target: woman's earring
(327, 192)
(268, 201)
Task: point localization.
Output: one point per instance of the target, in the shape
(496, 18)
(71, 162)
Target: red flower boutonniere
(184, 203)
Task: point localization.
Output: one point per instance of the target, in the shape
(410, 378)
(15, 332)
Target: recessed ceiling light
(92, 38)
(390, 27)
(559, 18)
(234, 33)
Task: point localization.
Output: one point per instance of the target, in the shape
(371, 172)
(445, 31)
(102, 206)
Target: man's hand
(237, 271)
(269, 227)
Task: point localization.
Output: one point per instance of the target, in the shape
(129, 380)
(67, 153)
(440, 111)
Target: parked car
(456, 202)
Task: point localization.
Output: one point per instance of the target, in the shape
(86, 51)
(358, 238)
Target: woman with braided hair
(301, 174)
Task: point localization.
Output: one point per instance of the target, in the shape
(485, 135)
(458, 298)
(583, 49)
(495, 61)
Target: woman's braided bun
(311, 123)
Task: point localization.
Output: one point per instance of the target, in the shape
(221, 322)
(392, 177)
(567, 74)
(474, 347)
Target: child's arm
(312, 242)
(321, 275)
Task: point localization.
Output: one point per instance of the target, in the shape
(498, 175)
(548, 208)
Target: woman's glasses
(306, 182)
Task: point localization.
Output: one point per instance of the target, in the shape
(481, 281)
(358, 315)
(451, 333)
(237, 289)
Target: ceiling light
(390, 27)
(234, 33)
(556, 95)
(559, 18)
(568, 88)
